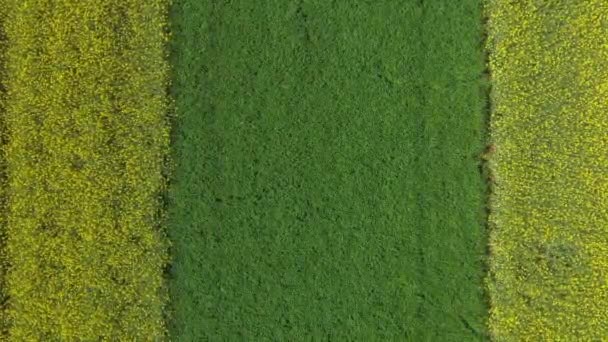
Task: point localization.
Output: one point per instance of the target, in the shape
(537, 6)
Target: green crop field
(326, 177)
(3, 298)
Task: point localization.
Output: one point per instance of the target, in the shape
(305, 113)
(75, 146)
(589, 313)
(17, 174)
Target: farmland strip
(3, 260)
(327, 182)
(86, 111)
(549, 61)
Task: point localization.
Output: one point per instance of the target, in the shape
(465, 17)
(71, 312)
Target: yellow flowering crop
(88, 135)
(549, 242)
(3, 265)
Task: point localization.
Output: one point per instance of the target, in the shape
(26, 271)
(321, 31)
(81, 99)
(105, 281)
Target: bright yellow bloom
(549, 242)
(86, 115)
(3, 264)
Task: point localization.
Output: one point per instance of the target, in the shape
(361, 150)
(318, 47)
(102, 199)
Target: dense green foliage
(3, 261)
(86, 115)
(549, 62)
(327, 178)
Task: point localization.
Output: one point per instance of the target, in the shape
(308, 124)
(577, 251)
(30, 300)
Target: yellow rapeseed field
(549, 240)
(3, 264)
(88, 134)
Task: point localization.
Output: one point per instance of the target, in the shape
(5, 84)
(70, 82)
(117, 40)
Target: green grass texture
(327, 182)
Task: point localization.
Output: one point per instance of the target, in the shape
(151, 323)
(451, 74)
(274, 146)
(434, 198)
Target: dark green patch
(327, 181)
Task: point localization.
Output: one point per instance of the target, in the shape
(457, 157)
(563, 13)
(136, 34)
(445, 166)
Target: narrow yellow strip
(3, 261)
(86, 113)
(549, 244)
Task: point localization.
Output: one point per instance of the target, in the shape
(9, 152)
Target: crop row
(549, 64)
(88, 135)
(3, 264)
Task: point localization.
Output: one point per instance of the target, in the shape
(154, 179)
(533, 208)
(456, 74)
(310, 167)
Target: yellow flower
(86, 114)
(549, 62)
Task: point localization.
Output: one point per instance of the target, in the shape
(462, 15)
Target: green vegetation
(549, 62)
(3, 261)
(326, 180)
